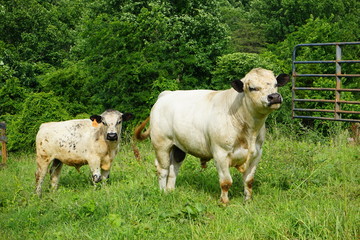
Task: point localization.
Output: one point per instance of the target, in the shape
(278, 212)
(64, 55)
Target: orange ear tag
(95, 123)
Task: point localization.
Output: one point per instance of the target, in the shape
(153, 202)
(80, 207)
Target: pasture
(305, 187)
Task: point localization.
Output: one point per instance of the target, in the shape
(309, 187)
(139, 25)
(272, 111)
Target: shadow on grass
(207, 180)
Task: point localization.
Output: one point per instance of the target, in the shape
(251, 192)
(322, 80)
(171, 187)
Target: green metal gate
(336, 108)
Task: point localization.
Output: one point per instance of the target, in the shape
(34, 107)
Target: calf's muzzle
(112, 136)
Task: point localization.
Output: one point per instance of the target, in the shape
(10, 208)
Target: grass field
(304, 189)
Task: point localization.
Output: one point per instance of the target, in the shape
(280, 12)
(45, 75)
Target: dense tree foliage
(79, 57)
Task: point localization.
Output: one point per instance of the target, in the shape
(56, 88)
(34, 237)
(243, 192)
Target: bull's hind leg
(42, 168)
(55, 171)
(176, 158)
(162, 163)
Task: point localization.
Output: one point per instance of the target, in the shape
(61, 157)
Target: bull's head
(260, 88)
(112, 122)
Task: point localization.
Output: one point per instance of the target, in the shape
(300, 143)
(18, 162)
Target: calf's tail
(139, 135)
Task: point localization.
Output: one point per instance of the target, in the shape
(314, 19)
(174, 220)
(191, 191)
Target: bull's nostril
(274, 98)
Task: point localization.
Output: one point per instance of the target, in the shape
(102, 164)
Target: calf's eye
(253, 89)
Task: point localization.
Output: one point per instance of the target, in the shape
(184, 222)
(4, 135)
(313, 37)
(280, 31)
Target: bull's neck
(242, 113)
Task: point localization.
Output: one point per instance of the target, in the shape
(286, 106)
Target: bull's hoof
(169, 189)
(224, 203)
(224, 200)
(247, 200)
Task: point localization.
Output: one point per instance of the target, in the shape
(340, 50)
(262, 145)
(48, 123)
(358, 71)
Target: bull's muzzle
(274, 98)
(112, 136)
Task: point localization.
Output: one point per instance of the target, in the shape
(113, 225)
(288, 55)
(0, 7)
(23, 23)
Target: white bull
(228, 126)
(93, 141)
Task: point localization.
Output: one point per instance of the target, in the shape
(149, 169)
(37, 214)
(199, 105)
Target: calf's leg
(105, 174)
(55, 173)
(94, 165)
(43, 163)
(105, 170)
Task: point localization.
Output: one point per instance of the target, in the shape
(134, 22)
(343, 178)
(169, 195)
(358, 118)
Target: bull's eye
(104, 123)
(253, 89)
(118, 122)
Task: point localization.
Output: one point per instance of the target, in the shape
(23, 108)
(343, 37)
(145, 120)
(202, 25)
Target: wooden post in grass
(3, 140)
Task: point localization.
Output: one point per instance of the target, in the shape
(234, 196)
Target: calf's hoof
(96, 178)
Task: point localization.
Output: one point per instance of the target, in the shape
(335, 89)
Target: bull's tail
(140, 136)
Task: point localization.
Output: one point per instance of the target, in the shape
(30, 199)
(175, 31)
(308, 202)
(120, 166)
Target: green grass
(303, 190)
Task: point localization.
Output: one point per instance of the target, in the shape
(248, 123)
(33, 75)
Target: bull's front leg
(222, 166)
(94, 165)
(248, 175)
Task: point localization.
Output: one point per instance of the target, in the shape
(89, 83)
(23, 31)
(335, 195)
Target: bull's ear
(238, 85)
(127, 116)
(98, 118)
(282, 79)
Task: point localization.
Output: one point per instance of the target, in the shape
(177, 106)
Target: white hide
(228, 126)
(76, 143)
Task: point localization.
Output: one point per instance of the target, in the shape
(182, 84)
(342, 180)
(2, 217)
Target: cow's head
(111, 121)
(260, 89)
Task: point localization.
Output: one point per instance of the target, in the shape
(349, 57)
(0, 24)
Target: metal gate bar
(338, 89)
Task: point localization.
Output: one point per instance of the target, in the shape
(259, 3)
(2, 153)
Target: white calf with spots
(93, 141)
(228, 126)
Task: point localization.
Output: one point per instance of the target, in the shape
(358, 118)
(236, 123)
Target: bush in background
(38, 108)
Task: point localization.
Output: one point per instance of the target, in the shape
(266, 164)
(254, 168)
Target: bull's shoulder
(164, 93)
(187, 93)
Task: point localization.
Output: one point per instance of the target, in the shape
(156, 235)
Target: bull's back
(187, 119)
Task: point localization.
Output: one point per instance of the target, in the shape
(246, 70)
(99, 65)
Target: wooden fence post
(3, 141)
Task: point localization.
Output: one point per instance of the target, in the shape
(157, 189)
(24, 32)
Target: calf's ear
(127, 116)
(238, 85)
(98, 118)
(282, 79)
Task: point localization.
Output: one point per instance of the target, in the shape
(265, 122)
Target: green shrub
(38, 108)
(236, 65)
(12, 96)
